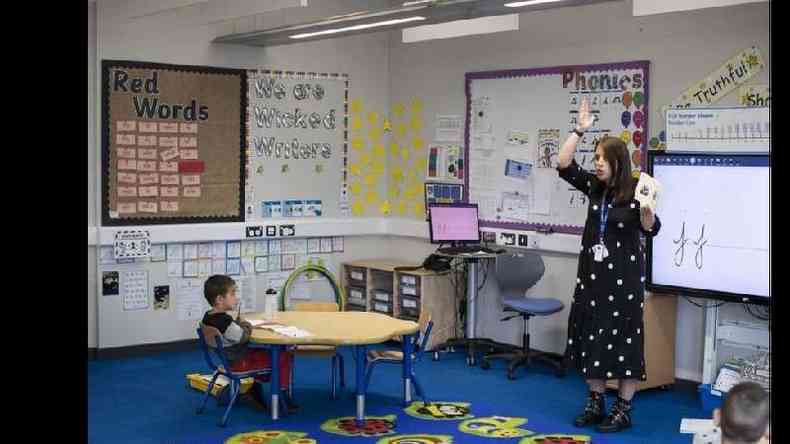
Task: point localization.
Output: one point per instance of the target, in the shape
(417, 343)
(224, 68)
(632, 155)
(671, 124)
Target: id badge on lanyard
(599, 250)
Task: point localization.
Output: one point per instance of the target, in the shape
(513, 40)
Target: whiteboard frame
(555, 70)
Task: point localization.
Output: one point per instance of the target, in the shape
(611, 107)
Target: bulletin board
(518, 119)
(297, 144)
(173, 147)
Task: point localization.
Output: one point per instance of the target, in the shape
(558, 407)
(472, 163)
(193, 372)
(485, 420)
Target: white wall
(682, 48)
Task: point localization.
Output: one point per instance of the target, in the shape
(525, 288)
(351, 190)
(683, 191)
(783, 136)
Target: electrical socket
(522, 240)
(533, 242)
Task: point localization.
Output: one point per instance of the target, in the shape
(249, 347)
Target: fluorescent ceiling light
(419, 2)
(357, 27)
(529, 3)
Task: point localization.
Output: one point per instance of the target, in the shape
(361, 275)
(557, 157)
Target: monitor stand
(471, 341)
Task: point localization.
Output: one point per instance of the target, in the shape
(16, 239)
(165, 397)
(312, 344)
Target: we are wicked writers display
(173, 143)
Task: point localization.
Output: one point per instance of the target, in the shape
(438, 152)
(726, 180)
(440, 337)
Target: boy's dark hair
(216, 285)
(745, 413)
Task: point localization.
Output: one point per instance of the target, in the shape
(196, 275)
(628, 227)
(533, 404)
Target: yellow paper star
(416, 123)
(373, 118)
(416, 105)
(354, 169)
(375, 134)
(397, 174)
(394, 192)
(372, 197)
(419, 209)
(379, 150)
(400, 131)
(356, 188)
(370, 180)
(356, 123)
(420, 164)
(364, 159)
(387, 125)
(401, 208)
(394, 149)
(398, 110)
(356, 106)
(357, 143)
(358, 208)
(404, 153)
(418, 143)
(378, 167)
(385, 208)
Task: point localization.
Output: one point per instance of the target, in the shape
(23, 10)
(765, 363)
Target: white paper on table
(234, 249)
(175, 252)
(205, 250)
(337, 244)
(543, 184)
(326, 245)
(134, 290)
(690, 425)
(190, 303)
(190, 251)
(218, 250)
(313, 245)
(175, 269)
(107, 255)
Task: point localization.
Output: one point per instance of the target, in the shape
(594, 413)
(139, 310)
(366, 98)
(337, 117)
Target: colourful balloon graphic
(654, 142)
(638, 119)
(662, 136)
(625, 119)
(627, 98)
(625, 136)
(639, 98)
(638, 139)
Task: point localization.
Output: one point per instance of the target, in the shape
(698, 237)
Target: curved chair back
(516, 273)
(316, 306)
(209, 338)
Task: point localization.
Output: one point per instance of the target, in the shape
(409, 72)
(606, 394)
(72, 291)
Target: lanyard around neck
(604, 217)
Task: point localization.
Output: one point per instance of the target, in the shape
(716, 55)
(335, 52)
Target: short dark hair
(217, 285)
(745, 413)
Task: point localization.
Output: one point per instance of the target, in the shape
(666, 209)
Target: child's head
(220, 292)
(745, 414)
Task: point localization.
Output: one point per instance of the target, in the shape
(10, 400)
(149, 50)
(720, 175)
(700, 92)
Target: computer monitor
(453, 223)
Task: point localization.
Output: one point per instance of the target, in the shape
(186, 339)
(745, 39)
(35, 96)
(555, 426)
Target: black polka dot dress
(605, 326)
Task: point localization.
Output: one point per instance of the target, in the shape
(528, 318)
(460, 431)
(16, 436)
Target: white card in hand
(647, 190)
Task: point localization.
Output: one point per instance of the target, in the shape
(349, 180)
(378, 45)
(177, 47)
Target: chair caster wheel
(470, 361)
(435, 356)
(485, 365)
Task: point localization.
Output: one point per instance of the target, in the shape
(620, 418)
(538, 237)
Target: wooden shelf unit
(401, 294)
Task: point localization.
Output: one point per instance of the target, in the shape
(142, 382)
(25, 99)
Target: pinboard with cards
(516, 123)
(173, 143)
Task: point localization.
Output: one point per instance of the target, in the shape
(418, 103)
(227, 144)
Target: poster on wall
(516, 123)
(172, 143)
(296, 143)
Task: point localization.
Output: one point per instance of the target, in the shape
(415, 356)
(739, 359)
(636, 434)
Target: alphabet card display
(297, 143)
(173, 148)
(512, 176)
(134, 289)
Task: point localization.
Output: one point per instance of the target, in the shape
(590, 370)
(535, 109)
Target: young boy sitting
(220, 292)
(745, 416)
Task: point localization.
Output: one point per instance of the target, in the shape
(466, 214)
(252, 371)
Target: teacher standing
(605, 327)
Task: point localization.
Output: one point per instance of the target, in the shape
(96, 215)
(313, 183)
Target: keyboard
(468, 249)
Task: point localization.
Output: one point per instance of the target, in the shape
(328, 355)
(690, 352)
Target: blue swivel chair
(515, 274)
(209, 339)
(375, 357)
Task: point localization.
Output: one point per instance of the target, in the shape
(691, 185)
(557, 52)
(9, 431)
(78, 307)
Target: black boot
(619, 418)
(593, 410)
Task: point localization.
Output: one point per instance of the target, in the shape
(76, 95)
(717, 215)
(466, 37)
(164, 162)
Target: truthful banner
(173, 143)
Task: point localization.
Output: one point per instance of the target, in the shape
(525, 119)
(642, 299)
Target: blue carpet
(147, 400)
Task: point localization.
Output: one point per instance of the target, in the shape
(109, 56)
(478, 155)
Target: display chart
(516, 123)
(719, 129)
(297, 144)
(172, 143)
(715, 226)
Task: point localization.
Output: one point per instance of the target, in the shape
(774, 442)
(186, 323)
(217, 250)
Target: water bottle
(270, 304)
